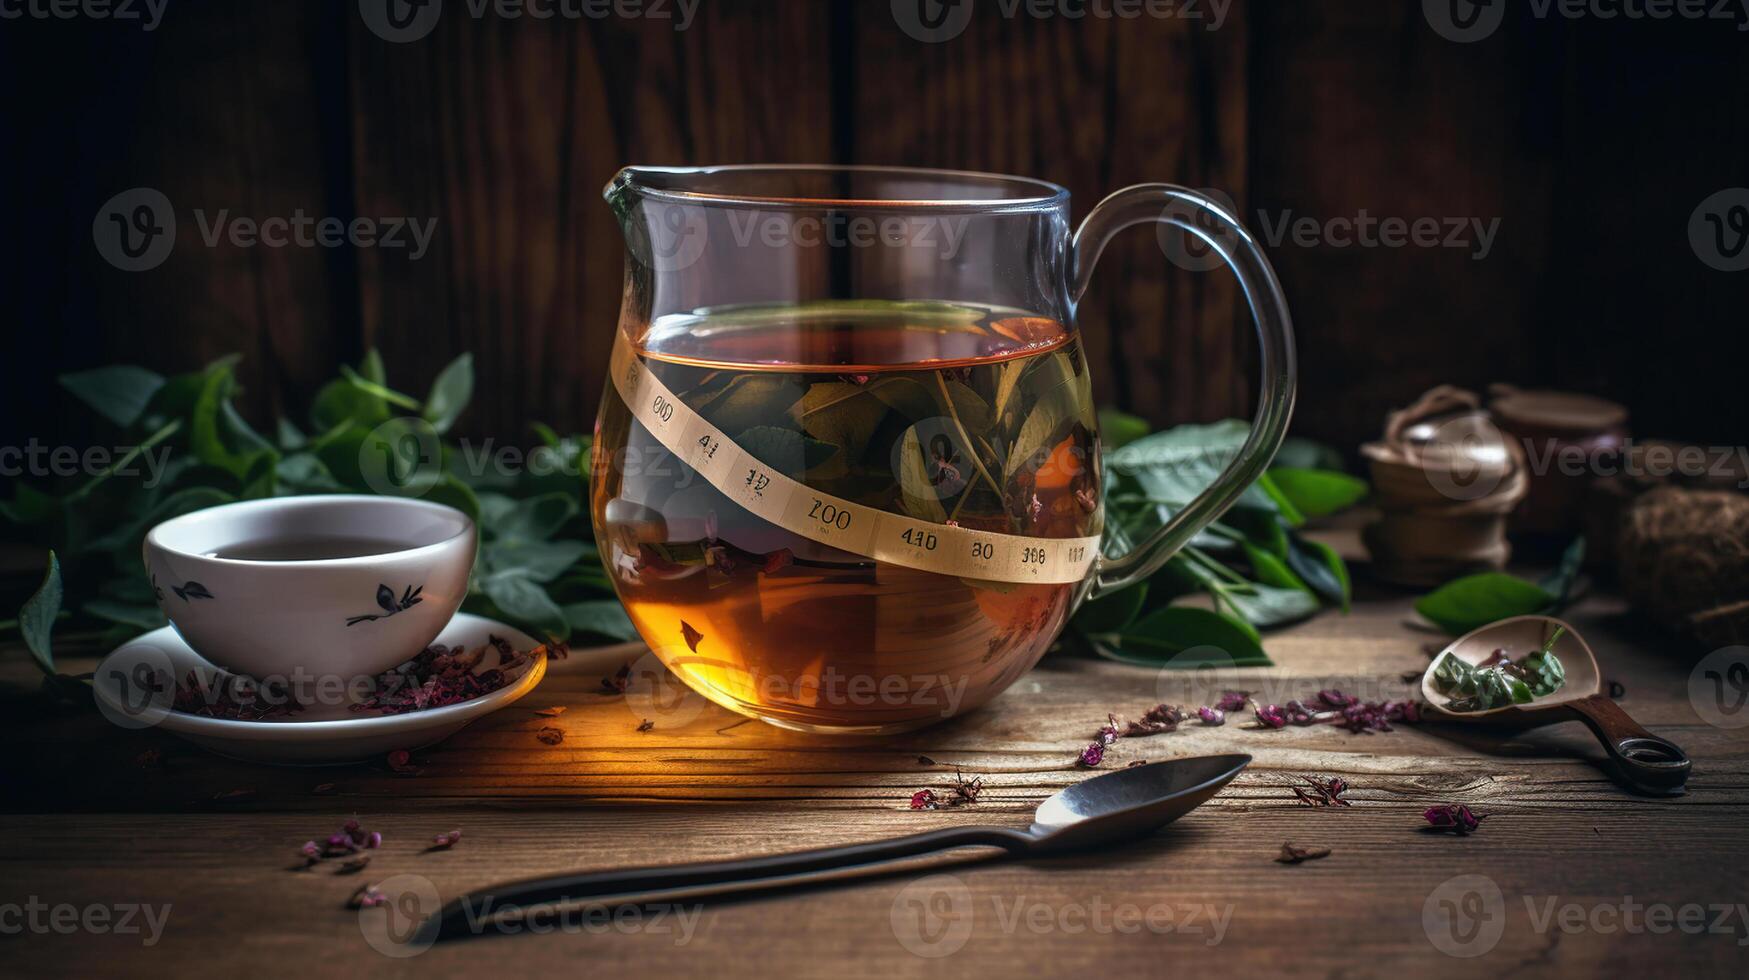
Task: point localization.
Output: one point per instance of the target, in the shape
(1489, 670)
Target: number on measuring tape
(826, 513)
(919, 538)
(757, 480)
(1032, 556)
(983, 550)
(708, 446)
(663, 408)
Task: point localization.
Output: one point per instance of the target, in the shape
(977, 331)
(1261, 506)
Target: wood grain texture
(87, 824)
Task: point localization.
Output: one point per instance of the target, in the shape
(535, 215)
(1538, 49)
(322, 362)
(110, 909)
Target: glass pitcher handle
(1181, 207)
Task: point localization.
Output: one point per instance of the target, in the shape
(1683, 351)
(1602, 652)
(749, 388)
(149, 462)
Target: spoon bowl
(1645, 762)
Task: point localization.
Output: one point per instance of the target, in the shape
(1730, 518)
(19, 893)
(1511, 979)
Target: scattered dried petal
(1454, 818)
(441, 676)
(1323, 792)
(550, 735)
(353, 865)
(924, 760)
(923, 799)
(1292, 854)
(1092, 755)
(616, 684)
(367, 897)
(690, 635)
(443, 842)
(1271, 716)
(1233, 700)
(552, 712)
(1212, 716)
(646, 725)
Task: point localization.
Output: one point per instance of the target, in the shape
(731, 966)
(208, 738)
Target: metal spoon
(1108, 808)
(1643, 761)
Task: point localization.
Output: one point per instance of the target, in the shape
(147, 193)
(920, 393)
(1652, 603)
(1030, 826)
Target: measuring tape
(834, 521)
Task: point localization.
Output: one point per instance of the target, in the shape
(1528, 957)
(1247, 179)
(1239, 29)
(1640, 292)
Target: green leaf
(1321, 568)
(28, 505)
(540, 561)
(1270, 570)
(378, 389)
(36, 621)
(1175, 466)
(601, 617)
(525, 603)
(840, 414)
(534, 519)
(119, 393)
(454, 493)
(1171, 637)
(1118, 429)
(1452, 675)
(371, 367)
(450, 393)
(749, 400)
(213, 419)
(340, 402)
(917, 495)
(1266, 605)
(1559, 583)
(288, 436)
(1300, 453)
(785, 450)
(1477, 600)
(1110, 614)
(1318, 493)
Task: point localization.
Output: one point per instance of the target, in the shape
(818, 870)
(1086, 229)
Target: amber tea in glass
(942, 412)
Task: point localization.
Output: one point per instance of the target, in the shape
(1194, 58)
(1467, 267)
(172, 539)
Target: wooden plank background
(1591, 141)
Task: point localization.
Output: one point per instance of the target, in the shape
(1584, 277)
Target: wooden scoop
(1639, 759)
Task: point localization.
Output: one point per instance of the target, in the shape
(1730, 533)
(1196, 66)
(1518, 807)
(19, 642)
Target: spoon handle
(1646, 762)
(473, 913)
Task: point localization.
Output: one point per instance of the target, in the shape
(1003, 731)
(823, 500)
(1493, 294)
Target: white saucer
(320, 734)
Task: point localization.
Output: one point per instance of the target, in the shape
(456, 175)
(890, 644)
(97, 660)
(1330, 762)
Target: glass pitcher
(846, 474)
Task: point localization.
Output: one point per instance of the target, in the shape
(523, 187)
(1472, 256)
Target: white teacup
(316, 587)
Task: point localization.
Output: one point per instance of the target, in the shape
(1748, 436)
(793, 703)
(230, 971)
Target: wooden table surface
(1542, 888)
